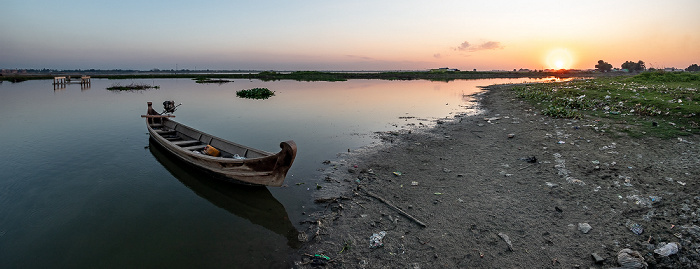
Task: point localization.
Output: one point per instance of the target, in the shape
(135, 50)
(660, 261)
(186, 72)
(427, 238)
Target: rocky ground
(510, 188)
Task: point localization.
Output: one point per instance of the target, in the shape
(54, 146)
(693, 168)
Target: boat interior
(192, 140)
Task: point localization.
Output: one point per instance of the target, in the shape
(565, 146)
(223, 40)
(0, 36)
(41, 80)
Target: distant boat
(225, 159)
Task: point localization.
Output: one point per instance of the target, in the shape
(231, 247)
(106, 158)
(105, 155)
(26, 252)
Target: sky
(347, 35)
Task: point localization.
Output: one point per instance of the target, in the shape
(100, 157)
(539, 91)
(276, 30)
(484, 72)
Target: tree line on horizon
(631, 66)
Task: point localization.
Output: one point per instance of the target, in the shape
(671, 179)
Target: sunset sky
(347, 35)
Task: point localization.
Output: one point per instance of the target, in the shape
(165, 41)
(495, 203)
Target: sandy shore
(510, 188)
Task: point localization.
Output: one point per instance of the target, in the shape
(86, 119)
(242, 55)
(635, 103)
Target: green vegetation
(652, 103)
(131, 87)
(255, 93)
(13, 79)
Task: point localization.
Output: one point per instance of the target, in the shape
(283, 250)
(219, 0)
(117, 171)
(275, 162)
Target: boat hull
(238, 163)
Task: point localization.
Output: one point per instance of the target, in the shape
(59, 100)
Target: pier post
(85, 80)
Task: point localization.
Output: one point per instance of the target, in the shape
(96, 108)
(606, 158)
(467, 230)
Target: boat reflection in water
(253, 203)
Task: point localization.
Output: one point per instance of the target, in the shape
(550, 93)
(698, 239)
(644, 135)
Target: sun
(559, 59)
(559, 64)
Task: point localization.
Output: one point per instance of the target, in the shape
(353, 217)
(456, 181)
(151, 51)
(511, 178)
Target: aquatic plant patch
(255, 93)
(132, 87)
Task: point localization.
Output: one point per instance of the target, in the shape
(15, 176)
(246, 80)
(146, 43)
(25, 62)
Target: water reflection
(255, 204)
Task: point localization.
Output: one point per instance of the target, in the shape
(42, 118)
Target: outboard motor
(169, 107)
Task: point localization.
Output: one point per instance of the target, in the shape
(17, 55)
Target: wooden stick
(397, 209)
(157, 116)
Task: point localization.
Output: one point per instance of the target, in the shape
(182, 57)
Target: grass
(255, 93)
(651, 103)
(131, 87)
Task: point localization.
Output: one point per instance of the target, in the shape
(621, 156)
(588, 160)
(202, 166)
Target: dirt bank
(509, 188)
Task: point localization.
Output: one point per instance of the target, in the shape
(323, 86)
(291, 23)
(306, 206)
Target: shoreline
(508, 173)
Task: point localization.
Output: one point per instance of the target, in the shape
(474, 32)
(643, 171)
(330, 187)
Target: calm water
(81, 187)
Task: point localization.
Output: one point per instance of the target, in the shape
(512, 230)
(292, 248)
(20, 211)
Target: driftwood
(397, 209)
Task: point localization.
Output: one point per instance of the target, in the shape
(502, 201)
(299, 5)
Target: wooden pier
(84, 80)
(61, 82)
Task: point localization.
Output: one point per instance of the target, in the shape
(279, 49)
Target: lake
(80, 186)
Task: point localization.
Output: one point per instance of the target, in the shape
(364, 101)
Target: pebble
(584, 227)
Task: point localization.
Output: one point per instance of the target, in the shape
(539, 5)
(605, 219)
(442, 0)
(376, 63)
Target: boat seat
(194, 147)
(155, 125)
(185, 142)
(162, 132)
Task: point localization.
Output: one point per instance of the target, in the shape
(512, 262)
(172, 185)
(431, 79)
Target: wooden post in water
(84, 80)
(59, 80)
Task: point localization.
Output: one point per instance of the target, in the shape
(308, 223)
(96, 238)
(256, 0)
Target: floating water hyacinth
(255, 93)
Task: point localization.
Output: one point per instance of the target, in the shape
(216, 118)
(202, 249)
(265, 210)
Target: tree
(692, 68)
(641, 66)
(634, 67)
(602, 66)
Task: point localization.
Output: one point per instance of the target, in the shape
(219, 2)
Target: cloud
(437, 55)
(464, 46)
(491, 45)
(488, 45)
(359, 57)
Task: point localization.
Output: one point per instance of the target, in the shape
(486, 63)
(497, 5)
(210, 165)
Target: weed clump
(255, 93)
(132, 87)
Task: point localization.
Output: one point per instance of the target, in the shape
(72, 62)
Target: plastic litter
(375, 240)
(636, 229)
(667, 250)
(507, 240)
(319, 259)
(397, 173)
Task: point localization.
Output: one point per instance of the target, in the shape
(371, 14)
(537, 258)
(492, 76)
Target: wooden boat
(235, 163)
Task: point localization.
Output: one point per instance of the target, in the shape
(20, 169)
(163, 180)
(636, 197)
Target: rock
(511, 135)
(630, 259)
(597, 258)
(584, 227)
